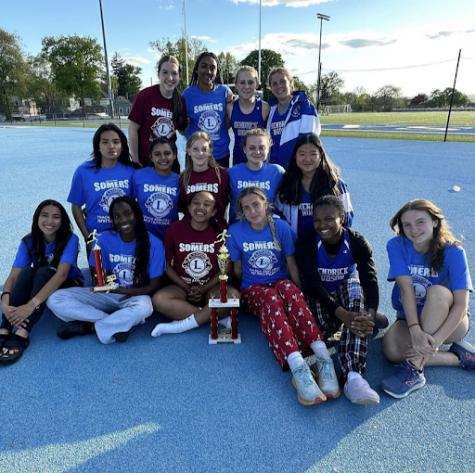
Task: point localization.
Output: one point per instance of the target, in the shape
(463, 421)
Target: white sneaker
(327, 381)
(308, 392)
(358, 391)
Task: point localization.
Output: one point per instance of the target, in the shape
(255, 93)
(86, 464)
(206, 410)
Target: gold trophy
(223, 301)
(104, 283)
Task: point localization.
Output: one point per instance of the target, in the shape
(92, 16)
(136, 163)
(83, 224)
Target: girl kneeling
(137, 259)
(262, 249)
(430, 296)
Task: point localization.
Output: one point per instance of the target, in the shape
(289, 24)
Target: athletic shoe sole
(405, 394)
(306, 402)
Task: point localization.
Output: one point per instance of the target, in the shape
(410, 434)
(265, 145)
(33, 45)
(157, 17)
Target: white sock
(353, 375)
(226, 322)
(295, 360)
(177, 326)
(320, 349)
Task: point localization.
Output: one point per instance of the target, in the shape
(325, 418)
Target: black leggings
(30, 281)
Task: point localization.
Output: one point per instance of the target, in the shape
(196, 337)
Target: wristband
(4, 294)
(37, 302)
(412, 325)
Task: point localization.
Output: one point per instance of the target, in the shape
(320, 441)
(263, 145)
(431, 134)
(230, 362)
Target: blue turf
(176, 404)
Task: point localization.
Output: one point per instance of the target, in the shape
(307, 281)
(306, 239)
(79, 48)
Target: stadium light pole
(321, 17)
(109, 87)
(260, 58)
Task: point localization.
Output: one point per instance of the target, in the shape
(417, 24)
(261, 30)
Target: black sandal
(13, 349)
(3, 339)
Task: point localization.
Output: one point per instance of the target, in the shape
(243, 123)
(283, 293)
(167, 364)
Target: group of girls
(273, 260)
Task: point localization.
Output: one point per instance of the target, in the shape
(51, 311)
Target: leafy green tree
(178, 49)
(269, 60)
(41, 87)
(300, 85)
(330, 85)
(14, 71)
(76, 65)
(388, 97)
(128, 81)
(443, 98)
(419, 99)
(229, 67)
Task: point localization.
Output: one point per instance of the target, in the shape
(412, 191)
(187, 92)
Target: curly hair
(186, 175)
(324, 182)
(124, 156)
(442, 235)
(194, 74)
(142, 249)
(36, 250)
(165, 141)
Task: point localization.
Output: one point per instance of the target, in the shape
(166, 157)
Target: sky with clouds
(411, 44)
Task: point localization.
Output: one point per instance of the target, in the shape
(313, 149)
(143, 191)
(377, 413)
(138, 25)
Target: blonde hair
(285, 72)
(186, 174)
(261, 132)
(249, 69)
(262, 195)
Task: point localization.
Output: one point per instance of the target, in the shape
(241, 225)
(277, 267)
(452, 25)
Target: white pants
(111, 313)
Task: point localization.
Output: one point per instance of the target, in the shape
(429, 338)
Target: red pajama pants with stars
(284, 315)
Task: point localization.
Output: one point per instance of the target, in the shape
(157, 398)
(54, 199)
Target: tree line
(73, 66)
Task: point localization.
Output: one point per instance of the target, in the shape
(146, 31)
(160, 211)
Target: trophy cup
(104, 283)
(223, 301)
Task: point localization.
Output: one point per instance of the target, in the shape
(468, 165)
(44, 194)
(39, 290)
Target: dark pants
(30, 281)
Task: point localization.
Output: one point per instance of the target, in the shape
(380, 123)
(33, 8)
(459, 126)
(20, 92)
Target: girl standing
(430, 296)
(192, 267)
(202, 173)
(262, 250)
(46, 260)
(248, 112)
(339, 278)
(310, 175)
(97, 182)
(157, 188)
(137, 260)
(256, 171)
(206, 100)
(157, 112)
(292, 114)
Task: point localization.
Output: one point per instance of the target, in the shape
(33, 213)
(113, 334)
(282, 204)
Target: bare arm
(134, 141)
(294, 271)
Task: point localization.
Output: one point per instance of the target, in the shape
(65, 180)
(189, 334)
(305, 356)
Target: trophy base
(216, 303)
(224, 338)
(106, 288)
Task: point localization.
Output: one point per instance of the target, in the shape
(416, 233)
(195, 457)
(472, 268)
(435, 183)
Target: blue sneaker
(466, 353)
(308, 392)
(404, 381)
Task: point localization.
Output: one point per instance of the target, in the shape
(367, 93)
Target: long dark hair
(324, 182)
(177, 112)
(165, 141)
(442, 235)
(124, 156)
(194, 74)
(142, 248)
(36, 250)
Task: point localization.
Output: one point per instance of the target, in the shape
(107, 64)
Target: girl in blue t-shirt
(256, 171)
(136, 259)
(97, 182)
(206, 100)
(431, 297)
(310, 174)
(262, 249)
(157, 187)
(46, 260)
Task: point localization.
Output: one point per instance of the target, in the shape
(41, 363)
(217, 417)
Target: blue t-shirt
(207, 112)
(334, 269)
(70, 255)
(268, 178)
(157, 196)
(404, 260)
(261, 262)
(118, 257)
(241, 124)
(97, 188)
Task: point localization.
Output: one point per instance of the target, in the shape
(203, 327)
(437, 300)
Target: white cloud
(287, 3)
(165, 4)
(205, 38)
(136, 61)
